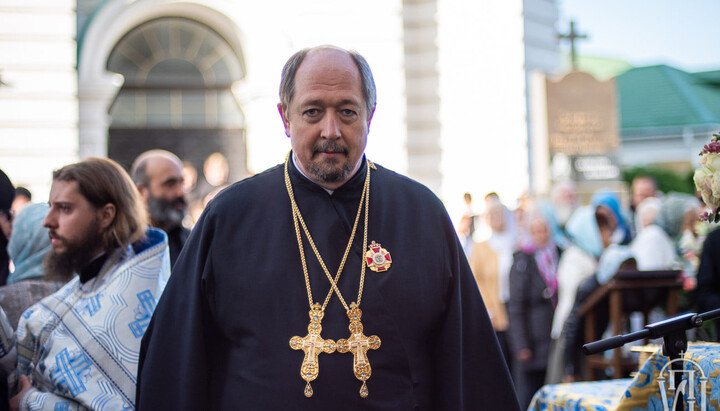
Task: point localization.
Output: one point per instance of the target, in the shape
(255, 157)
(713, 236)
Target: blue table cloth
(701, 366)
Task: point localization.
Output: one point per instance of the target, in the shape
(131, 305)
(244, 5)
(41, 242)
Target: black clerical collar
(92, 269)
(356, 181)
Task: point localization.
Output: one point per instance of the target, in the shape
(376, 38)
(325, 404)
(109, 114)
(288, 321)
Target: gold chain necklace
(313, 344)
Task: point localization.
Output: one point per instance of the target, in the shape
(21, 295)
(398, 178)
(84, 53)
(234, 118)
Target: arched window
(176, 94)
(178, 74)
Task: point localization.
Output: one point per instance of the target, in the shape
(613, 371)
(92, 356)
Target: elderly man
(159, 179)
(78, 348)
(327, 282)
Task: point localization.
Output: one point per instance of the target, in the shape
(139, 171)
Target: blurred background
(505, 96)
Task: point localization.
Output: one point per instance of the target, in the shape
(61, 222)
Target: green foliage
(667, 180)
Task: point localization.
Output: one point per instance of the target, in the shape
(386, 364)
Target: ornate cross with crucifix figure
(359, 344)
(312, 344)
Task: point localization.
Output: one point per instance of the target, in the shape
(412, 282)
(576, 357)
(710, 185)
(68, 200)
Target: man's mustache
(53, 234)
(179, 201)
(332, 146)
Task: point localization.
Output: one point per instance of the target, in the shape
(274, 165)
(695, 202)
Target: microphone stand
(671, 330)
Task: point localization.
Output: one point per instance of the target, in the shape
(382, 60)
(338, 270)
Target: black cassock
(219, 338)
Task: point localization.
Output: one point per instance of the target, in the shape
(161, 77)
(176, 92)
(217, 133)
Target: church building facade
(116, 77)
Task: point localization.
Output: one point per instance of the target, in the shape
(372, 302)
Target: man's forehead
(643, 183)
(327, 68)
(164, 165)
(327, 57)
(64, 191)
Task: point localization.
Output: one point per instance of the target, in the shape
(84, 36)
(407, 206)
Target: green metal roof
(602, 68)
(663, 96)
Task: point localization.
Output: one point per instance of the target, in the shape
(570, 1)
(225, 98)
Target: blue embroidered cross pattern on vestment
(70, 370)
(90, 306)
(143, 313)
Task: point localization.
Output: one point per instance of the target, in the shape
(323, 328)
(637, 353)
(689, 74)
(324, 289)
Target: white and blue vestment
(80, 345)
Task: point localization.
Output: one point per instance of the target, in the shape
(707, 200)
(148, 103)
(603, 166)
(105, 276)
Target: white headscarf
(503, 244)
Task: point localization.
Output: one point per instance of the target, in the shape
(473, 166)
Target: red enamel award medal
(377, 258)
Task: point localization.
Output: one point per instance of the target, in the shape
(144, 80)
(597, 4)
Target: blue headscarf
(557, 234)
(28, 243)
(583, 231)
(611, 200)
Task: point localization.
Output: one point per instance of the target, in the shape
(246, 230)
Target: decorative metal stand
(671, 330)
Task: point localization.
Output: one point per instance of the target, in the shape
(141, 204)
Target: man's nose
(49, 220)
(178, 190)
(330, 125)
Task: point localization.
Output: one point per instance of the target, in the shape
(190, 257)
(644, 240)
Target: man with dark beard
(158, 177)
(78, 348)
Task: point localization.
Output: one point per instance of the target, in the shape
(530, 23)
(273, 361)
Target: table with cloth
(641, 392)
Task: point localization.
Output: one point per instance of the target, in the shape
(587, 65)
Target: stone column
(95, 97)
(421, 91)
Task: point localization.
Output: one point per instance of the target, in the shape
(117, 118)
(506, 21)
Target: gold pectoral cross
(312, 344)
(359, 344)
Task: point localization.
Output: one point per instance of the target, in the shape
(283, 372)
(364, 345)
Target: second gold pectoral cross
(359, 344)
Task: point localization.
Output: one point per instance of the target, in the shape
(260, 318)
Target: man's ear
(144, 191)
(106, 215)
(283, 115)
(372, 113)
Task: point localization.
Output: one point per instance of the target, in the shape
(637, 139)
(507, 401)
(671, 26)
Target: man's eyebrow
(349, 101)
(315, 102)
(319, 102)
(172, 180)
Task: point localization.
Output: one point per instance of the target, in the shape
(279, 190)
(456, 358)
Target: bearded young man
(158, 177)
(78, 348)
(328, 282)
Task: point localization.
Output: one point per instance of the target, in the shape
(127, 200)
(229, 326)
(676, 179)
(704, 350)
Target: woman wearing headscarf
(611, 200)
(576, 264)
(490, 262)
(645, 213)
(656, 246)
(29, 243)
(557, 233)
(27, 248)
(533, 295)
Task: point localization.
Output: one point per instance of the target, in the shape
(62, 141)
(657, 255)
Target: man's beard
(61, 266)
(328, 171)
(164, 214)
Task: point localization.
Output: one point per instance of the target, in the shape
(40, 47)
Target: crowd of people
(108, 301)
(538, 263)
